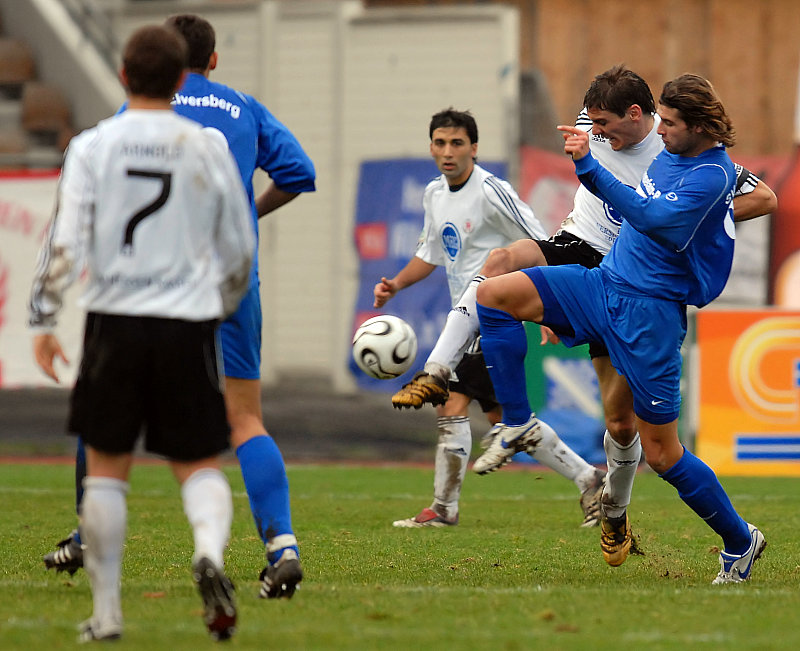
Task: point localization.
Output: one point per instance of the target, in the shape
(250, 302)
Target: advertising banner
(26, 203)
(749, 403)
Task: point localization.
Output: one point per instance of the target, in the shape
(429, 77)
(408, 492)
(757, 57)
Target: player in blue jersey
(674, 249)
(257, 141)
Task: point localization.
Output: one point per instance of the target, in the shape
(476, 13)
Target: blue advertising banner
(387, 227)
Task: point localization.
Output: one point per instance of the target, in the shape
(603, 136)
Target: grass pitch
(517, 573)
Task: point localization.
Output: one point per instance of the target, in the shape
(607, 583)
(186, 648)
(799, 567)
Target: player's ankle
(437, 370)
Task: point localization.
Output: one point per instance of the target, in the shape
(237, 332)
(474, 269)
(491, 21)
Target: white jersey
(591, 219)
(154, 207)
(461, 227)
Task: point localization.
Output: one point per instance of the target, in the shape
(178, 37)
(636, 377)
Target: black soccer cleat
(216, 589)
(280, 580)
(68, 556)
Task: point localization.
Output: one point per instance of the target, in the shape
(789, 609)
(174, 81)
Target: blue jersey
(678, 236)
(256, 138)
(257, 141)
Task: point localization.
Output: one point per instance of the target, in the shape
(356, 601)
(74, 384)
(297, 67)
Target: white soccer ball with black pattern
(384, 347)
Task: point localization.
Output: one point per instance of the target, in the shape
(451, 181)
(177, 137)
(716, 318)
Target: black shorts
(565, 248)
(474, 381)
(154, 376)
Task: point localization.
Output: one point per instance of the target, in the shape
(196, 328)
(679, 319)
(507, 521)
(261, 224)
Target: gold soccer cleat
(423, 388)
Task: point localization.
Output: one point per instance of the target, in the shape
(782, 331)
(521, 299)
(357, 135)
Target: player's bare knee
(498, 263)
(484, 294)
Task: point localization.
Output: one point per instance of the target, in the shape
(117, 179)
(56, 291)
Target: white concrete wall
(352, 85)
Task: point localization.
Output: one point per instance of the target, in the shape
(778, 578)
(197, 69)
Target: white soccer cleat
(506, 442)
(735, 569)
(425, 518)
(590, 500)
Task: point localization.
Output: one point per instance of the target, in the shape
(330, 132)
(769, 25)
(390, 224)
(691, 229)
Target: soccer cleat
(506, 442)
(216, 589)
(590, 500)
(92, 631)
(616, 539)
(423, 388)
(68, 556)
(425, 518)
(486, 439)
(735, 569)
(280, 579)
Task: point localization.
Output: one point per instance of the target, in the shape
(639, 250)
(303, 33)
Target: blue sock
(505, 344)
(80, 473)
(699, 487)
(267, 487)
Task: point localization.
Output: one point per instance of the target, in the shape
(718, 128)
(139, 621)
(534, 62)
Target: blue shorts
(643, 334)
(240, 335)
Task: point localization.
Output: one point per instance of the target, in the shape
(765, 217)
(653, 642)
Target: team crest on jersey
(612, 214)
(451, 240)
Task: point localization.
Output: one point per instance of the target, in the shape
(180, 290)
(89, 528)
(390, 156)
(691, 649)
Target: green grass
(517, 573)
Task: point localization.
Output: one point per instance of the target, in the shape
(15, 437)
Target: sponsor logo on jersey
(208, 101)
(648, 185)
(451, 240)
(671, 196)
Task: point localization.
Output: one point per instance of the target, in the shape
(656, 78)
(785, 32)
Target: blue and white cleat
(506, 442)
(735, 569)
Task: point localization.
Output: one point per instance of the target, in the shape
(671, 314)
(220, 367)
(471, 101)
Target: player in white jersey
(468, 212)
(153, 207)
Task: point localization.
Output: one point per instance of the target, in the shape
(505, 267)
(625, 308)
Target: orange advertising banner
(749, 406)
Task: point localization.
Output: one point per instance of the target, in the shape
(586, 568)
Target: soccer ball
(384, 346)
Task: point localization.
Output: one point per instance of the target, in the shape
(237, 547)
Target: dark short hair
(699, 105)
(199, 35)
(154, 59)
(617, 89)
(449, 117)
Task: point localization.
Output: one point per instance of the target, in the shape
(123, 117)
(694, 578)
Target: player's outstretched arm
(413, 272)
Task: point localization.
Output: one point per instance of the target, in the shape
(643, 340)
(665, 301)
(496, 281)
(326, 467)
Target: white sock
(460, 330)
(208, 505)
(552, 452)
(622, 465)
(452, 457)
(103, 523)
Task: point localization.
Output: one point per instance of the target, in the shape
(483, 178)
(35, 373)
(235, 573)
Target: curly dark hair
(697, 102)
